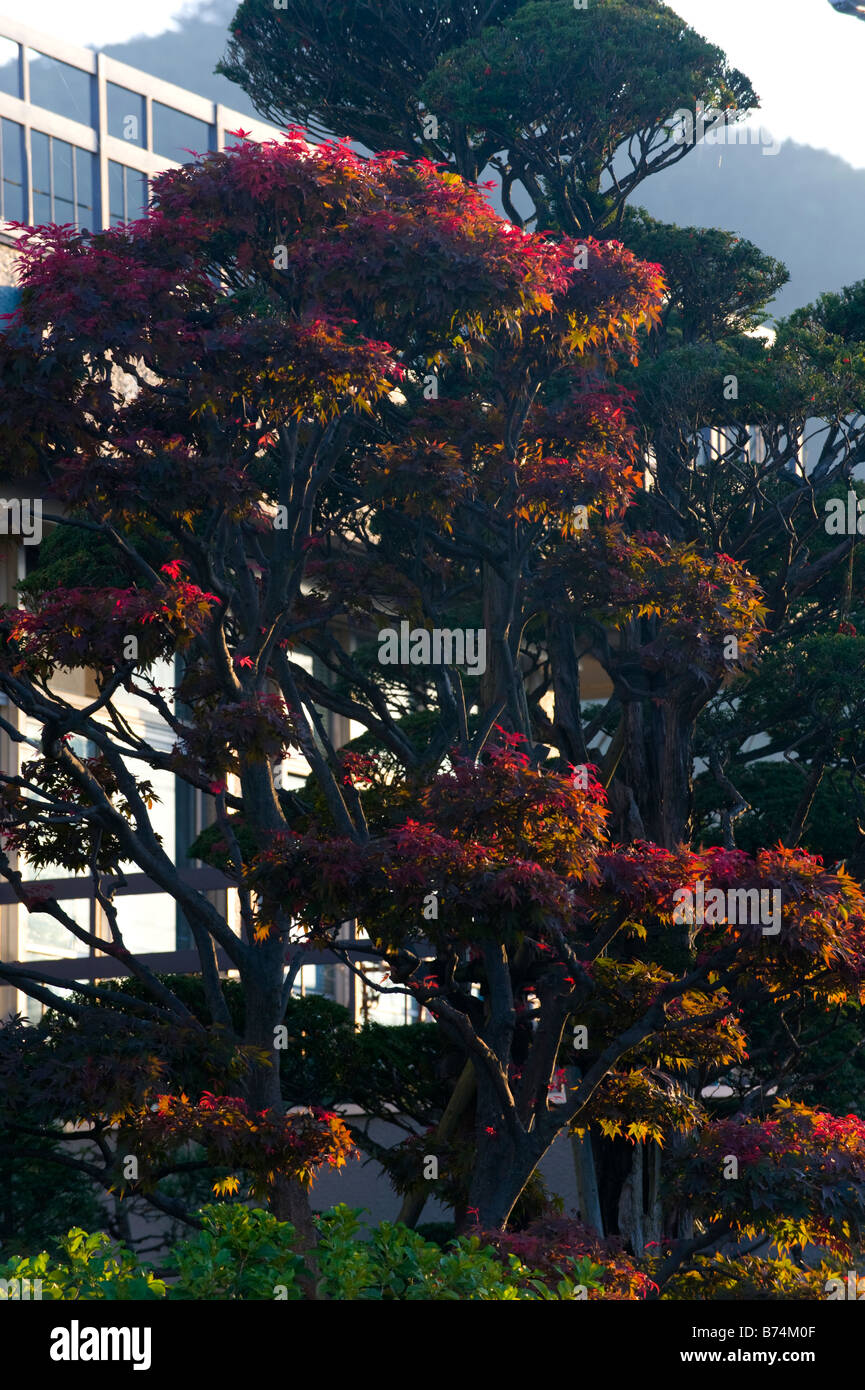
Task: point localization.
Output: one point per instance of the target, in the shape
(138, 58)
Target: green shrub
(398, 1263)
(242, 1253)
(85, 1267)
(245, 1253)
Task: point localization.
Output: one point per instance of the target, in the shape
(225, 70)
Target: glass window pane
(392, 1009)
(136, 194)
(85, 174)
(9, 68)
(14, 193)
(146, 921)
(41, 936)
(40, 150)
(14, 198)
(60, 87)
(63, 184)
(175, 134)
(31, 1009)
(34, 1009)
(13, 151)
(126, 115)
(162, 816)
(40, 153)
(115, 192)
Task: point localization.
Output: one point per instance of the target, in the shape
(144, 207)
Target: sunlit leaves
(267, 1145)
(799, 1177)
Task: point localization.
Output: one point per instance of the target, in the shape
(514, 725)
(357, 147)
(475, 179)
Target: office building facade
(81, 136)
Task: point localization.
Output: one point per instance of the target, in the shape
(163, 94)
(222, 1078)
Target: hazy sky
(94, 23)
(805, 61)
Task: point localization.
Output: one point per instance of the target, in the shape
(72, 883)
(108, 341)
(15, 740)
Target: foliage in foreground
(247, 1254)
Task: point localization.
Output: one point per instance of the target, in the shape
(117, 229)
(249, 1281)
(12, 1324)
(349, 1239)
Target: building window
(63, 182)
(146, 921)
(10, 69)
(85, 190)
(127, 116)
(13, 188)
(316, 979)
(127, 193)
(60, 88)
(42, 937)
(175, 134)
(40, 159)
(391, 1009)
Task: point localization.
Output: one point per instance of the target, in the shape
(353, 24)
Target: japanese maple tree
(191, 388)
(538, 932)
(308, 391)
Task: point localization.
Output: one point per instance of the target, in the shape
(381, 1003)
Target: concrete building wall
(7, 263)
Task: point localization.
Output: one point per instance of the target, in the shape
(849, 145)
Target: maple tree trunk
(657, 765)
(502, 691)
(640, 1219)
(502, 1170)
(504, 1162)
(657, 768)
(586, 1173)
(456, 1111)
(288, 1199)
(562, 647)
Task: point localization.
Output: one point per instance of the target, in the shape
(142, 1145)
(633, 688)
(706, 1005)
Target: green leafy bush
(245, 1253)
(85, 1267)
(398, 1263)
(242, 1253)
